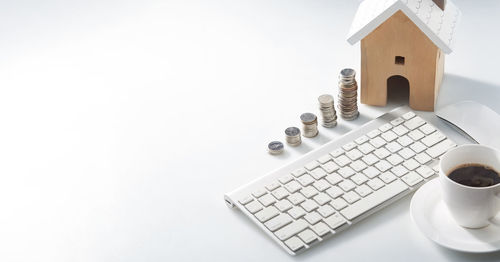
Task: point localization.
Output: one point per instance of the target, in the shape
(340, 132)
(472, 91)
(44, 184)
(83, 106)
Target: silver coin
(275, 147)
(348, 73)
(308, 117)
(292, 131)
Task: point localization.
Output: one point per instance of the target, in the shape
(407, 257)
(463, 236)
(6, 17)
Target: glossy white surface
(123, 123)
(433, 218)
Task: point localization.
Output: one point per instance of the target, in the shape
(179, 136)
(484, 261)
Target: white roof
(438, 25)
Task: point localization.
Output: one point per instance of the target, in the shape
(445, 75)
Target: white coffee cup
(471, 207)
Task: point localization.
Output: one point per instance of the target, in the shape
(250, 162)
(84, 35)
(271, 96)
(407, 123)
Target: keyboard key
(299, 172)
(366, 148)
(416, 134)
(297, 212)
(359, 178)
(412, 178)
(283, 205)
(321, 229)
(278, 222)
(318, 173)
(308, 236)
(376, 198)
(397, 121)
(296, 198)
(406, 153)
(418, 147)
(347, 185)
(400, 130)
(333, 179)
(414, 123)
(321, 185)
(395, 159)
(370, 159)
(354, 154)
(322, 198)
(293, 186)
(280, 193)
(383, 165)
(408, 115)
(358, 165)
(338, 203)
(411, 164)
(377, 142)
(253, 207)
(373, 133)
(399, 171)
(312, 218)
(326, 210)
(363, 190)
(393, 147)
(349, 146)
(371, 172)
(382, 153)
(267, 200)
(440, 148)
(433, 138)
(351, 197)
(360, 140)
(312, 165)
(285, 179)
(404, 141)
(342, 160)
(346, 172)
(375, 183)
(385, 127)
(291, 229)
(306, 180)
(294, 243)
(334, 191)
(389, 136)
(423, 158)
(427, 129)
(245, 200)
(337, 152)
(309, 205)
(425, 171)
(266, 214)
(273, 186)
(335, 221)
(309, 191)
(259, 192)
(324, 159)
(387, 177)
(330, 166)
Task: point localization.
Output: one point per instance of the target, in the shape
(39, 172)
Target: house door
(398, 90)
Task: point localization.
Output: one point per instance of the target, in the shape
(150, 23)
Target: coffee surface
(475, 175)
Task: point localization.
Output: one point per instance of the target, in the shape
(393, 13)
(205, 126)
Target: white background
(123, 123)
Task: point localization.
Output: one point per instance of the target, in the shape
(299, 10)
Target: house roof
(438, 25)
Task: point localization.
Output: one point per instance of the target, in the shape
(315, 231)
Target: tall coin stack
(293, 136)
(348, 94)
(310, 124)
(327, 111)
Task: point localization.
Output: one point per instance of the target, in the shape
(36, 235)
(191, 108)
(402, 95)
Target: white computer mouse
(478, 121)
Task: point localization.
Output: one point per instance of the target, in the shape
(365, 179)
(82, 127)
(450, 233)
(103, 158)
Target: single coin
(292, 131)
(308, 117)
(347, 72)
(275, 147)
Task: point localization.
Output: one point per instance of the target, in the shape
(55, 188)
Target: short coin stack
(293, 136)
(310, 124)
(275, 148)
(348, 94)
(327, 111)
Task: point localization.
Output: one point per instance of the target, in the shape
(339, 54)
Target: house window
(400, 60)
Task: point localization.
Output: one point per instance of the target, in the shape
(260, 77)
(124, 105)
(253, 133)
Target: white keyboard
(344, 181)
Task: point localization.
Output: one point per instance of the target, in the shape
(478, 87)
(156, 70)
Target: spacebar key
(376, 198)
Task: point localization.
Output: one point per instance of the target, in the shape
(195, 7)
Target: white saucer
(432, 217)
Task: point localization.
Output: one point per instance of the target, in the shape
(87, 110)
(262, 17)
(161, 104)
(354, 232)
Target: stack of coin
(310, 124)
(275, 148)
(348, 94)
(293, 136)
(327, 111)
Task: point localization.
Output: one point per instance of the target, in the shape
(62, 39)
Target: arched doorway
(398, 90)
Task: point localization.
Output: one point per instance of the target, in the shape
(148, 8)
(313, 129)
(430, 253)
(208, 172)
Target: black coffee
(475, 175)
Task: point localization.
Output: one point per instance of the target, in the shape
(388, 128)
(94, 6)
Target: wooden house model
(404, 38)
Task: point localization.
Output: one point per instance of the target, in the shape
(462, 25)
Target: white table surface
(123, 123)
